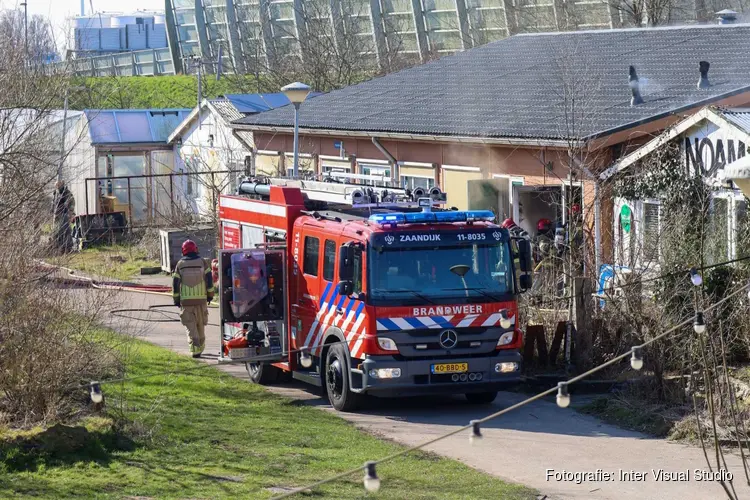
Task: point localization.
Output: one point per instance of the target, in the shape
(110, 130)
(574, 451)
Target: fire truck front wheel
(337, 380)
(261, 373)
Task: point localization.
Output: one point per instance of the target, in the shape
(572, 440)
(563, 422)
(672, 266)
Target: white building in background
(105, 32)
(205, 144)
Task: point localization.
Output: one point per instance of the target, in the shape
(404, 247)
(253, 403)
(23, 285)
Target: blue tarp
(133, 126)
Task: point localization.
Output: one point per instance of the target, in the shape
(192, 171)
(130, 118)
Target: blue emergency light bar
(427, 217)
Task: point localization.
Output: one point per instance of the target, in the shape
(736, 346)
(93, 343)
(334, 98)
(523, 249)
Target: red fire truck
(368, 291)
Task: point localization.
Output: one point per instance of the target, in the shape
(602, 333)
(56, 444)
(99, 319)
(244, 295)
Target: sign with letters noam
(708, 149)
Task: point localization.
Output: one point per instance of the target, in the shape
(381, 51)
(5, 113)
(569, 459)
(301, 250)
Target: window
(717, 235)
(375, 170)
(251, 236)
(357, 279)
(312, 251)
(329, 260)
(651, 223)
(411, 182)
(405, 275)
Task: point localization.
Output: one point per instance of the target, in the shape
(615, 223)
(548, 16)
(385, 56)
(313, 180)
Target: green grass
(169, 91)
(215, 436)
(637, 416)
(122, 262)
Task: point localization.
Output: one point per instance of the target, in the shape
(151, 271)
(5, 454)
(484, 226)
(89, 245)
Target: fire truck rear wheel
(337, 380)
(481, 398)
(261, 373)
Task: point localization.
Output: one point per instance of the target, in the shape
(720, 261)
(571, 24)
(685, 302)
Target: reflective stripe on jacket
(192, 282)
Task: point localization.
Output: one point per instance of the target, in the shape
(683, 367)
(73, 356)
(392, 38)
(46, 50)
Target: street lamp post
(296, 93)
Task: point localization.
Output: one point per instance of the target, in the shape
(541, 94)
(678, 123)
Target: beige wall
(455, 185)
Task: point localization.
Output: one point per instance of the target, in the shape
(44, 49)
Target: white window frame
(402, 178)
(513, 180)
(640, 234)
(256, 230)
(733, 199)
(386, 169)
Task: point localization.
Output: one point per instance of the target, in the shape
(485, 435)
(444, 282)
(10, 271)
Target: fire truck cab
(366, 291)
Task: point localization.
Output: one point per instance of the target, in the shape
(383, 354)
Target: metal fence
(160, 199)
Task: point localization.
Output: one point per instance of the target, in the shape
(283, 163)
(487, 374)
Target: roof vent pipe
(726, 16)
(635, 88)
(703, 67)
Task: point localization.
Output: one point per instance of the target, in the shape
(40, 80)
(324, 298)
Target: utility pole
(200, 89)
(26, 30)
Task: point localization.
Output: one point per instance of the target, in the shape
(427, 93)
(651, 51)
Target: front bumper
(417, 378)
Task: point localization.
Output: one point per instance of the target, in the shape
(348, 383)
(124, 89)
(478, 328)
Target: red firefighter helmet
(544, 225)
(189, 247)
(508, 223)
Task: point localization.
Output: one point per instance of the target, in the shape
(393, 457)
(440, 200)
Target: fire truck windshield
(479, 272)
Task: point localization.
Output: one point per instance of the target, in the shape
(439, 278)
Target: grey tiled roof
(540, 86)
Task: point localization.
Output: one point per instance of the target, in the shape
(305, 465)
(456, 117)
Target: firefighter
(63, 209)
(193, 290)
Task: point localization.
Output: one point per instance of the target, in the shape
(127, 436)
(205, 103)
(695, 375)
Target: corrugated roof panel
(258, 103)
(163, 122)
(739, 118)
(133, 126)
(128, 126)
(102, 126)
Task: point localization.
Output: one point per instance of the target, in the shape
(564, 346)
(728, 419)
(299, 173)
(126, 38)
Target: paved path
(518, 447)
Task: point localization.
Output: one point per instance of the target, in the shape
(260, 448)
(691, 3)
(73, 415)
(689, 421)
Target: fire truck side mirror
(346, 262)
(524, 255)
(524, 282)
(346, 288)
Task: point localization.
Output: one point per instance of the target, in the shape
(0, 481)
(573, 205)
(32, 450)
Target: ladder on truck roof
(355, 195)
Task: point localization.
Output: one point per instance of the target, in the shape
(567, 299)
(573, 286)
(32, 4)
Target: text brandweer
(444, 310)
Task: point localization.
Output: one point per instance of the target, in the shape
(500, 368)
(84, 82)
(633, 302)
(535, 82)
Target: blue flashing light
(485, 215)
(452, 216)
(426, 217)
(396, 218)
(420, 217)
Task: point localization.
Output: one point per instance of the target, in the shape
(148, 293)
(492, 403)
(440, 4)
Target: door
(308, 303)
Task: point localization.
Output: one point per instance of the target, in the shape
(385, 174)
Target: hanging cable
(520, 404)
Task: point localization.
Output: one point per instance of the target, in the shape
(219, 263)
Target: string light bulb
(695, 277)
(636, 360)
(96, 392)
(699, 325)
(476, 432)
(563, 397)
(304, 358)
(505, 319)
(372, 481)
